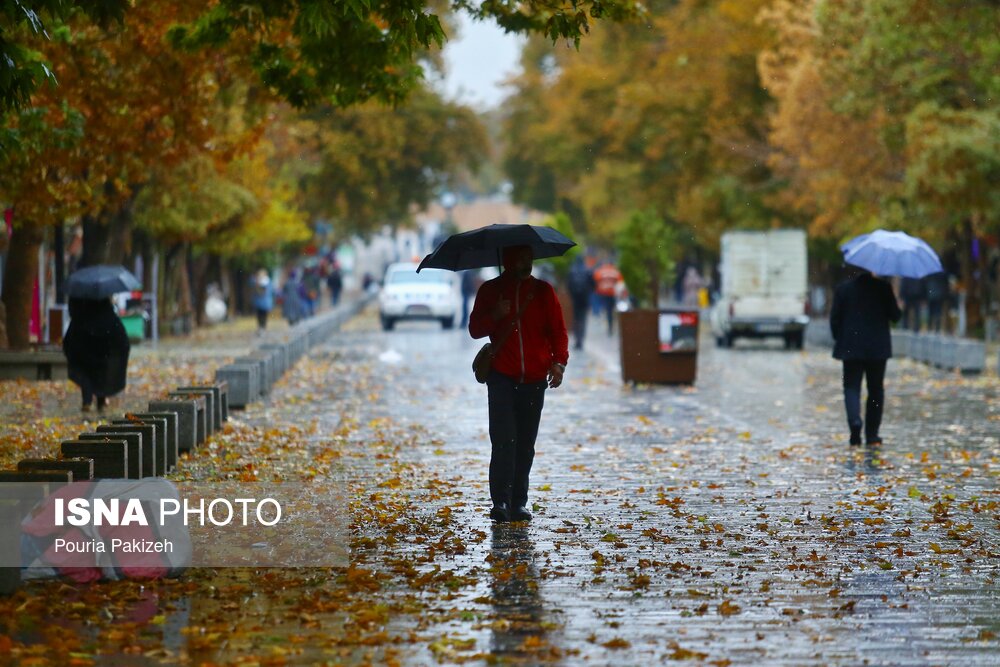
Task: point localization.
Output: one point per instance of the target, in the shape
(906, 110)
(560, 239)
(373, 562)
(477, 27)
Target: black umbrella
(481, 247)
(100, 282)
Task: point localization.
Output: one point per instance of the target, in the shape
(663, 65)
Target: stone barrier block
(201, 413)
(936, 354)
(82, 469)
(151, 442)
(218, 391)
(187, 421)
(52, 476)
(971, 356)
(154, 441)
(243, 382)
(110, 458)
(949, 353)
(139, 466)
(263, 371)
(209, 398)
(166, 433)
(280, 351)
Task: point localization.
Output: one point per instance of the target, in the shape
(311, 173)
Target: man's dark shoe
(500, 513)
(520, 514)
(855, 436)
(873, 442)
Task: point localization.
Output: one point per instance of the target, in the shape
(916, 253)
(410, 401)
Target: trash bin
(135, 326)
(659, 347)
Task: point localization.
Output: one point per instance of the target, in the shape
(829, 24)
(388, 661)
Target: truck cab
(764, 287)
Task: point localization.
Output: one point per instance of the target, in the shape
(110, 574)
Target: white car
(432, 294)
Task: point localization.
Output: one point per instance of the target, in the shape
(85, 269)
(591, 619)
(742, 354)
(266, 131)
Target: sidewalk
(724, 524)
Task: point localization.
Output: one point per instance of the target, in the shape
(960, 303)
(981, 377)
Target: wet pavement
(725, 523)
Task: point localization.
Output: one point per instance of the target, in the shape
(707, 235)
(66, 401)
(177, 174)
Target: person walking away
(936, 285)
(291, 303)
(523, 315)
(606, 279)
(693, 283)
(263, 298)
(912, 292)
(335, 282)
(470, 283)
(862, 309)
(97, 350)
(581, 286)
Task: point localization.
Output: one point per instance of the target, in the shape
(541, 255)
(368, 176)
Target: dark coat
(96, 347)
(862, 309)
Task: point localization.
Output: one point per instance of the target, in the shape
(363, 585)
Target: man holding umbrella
(528, 349)
(531, 357)
(862, 309)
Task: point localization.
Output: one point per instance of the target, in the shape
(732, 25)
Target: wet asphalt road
(729, 521)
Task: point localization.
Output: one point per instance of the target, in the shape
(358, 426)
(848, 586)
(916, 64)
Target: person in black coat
(862, 309)
(97, 349)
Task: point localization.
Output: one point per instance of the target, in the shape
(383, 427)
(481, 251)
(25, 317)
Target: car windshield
(402, 276)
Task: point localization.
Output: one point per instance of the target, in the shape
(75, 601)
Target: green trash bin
(135, 326)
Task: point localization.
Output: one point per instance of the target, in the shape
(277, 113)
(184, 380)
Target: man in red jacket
(532, 357)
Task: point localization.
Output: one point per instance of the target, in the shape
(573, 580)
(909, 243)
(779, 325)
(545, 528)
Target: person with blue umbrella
(863, 308)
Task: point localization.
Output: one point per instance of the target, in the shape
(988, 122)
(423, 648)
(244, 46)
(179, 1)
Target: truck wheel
(388, 323)
(799, 339)
(448, 322)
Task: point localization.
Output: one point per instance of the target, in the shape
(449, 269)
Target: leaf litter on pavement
(654, 539)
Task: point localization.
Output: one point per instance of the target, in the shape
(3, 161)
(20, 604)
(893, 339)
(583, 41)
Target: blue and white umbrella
(892, 254)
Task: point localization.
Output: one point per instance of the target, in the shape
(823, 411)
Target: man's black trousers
(515, 410)
(873, 371)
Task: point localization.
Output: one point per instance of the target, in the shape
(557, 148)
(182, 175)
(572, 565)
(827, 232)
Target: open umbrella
(481, 247)
(892, 254)
(100, 282)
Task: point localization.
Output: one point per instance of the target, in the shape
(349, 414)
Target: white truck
(764, 290)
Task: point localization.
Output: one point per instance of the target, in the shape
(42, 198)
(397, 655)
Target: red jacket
(541, 339)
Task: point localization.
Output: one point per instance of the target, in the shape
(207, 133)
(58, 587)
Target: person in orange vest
(606, 279)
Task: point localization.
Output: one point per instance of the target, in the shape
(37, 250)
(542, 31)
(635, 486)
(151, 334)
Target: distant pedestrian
(291, 303)
(580, 284)
(606, 279)
(693, 284)
(470, 283)
(912, 291)
(263, 298)
(862, 309)
(335, 282)
(97, 350)
(936, 285)
(523, 318)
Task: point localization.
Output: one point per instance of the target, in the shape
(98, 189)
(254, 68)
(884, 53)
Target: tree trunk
(107, 238)
(19, 283)
(200, 275)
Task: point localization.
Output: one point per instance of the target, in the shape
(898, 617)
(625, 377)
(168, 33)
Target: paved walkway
(728, 523)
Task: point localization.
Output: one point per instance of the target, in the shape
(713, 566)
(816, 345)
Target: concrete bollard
(936, 356)
(200, 416)
(219, 392)
(187, 416)
(110, 458)
(265, 373)
(207, 419)
(166, 432)
(971, 356)
(137, 467)
(949, 353)
(82, 469)
(243, 382)
(154, 440)
(280, 350)
(54, 478)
